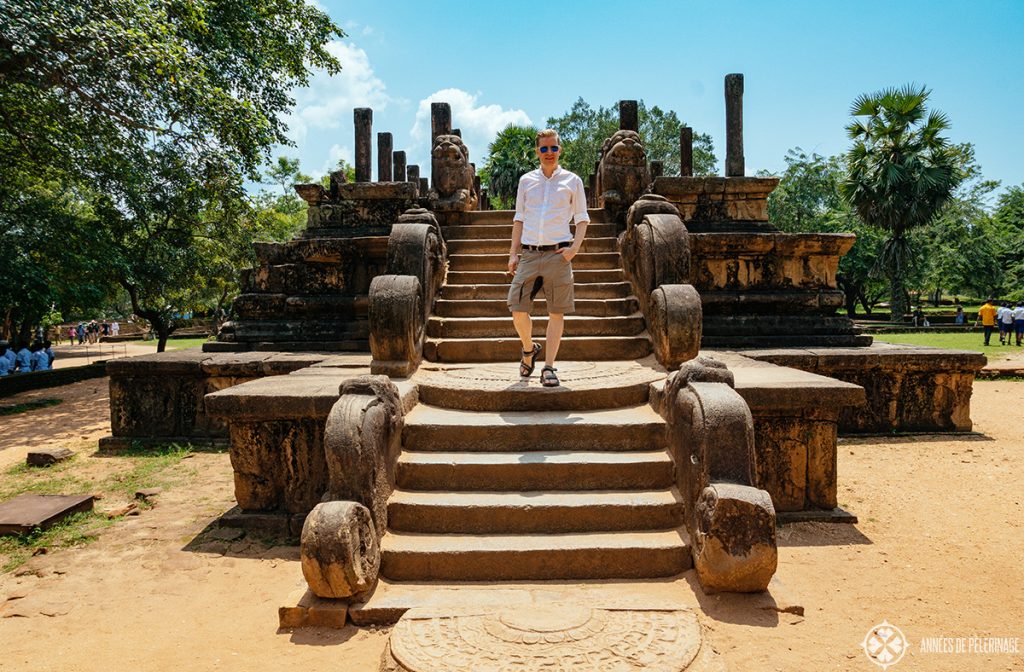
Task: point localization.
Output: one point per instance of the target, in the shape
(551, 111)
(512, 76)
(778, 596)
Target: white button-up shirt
(546, 205)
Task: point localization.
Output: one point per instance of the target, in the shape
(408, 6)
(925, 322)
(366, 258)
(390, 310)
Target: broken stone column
(657, 169)
(440, 120)
(364, 152)
(629, 116)
(734, 125)
(686, 151)
(412, 174)
(398, 159)
(457, 132)
(424, 186)
(339, 550)
(384, 147)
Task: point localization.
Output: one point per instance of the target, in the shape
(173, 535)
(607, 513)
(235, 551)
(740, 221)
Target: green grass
(14, 409)
(974, 340)
(136, 468)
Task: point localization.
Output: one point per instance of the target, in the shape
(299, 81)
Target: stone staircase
(471, 321)
(503, 480)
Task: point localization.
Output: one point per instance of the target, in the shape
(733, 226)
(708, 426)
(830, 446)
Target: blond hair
(547, 133)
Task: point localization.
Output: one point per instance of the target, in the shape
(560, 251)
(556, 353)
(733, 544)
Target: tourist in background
(48, 349)
(80, 332)
(959, 318)
(987, 317)
(115, 328)
(40, 360)
(71, 334)
(10, 357)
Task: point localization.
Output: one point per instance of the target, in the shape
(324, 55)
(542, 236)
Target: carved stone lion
(623, 175)
(452, 174)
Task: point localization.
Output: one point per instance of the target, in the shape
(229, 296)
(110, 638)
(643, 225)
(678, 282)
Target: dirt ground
(937, 553)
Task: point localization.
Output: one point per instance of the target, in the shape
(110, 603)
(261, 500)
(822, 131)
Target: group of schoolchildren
(35, 357)
(1009, 320)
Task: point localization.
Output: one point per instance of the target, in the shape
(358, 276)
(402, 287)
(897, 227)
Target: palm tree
(510, 157)
(901, 172)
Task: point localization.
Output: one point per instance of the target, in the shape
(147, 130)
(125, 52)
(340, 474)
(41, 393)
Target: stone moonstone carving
(556, 638)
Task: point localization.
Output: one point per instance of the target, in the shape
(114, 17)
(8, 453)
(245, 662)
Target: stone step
(502, 276)
(499, 262)
(526, 512)
(547, 470)
(501, 245)
(597, 215)
(431, 428)
(504, 231)
(499, 307)
(490, 327)
(498, 386)
(582, 290)
(573, 348)
(594, 555)
(390, 600)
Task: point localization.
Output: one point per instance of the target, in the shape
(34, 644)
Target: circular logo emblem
(884, 645)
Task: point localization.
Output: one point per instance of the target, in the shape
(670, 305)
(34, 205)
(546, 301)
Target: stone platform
(909, 388)
(497, 386)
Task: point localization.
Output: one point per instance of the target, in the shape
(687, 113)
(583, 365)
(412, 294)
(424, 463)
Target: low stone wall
(909, 388)
(39, 380)
(160, 396)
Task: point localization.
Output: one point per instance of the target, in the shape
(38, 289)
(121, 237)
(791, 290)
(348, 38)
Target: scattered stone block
(25, 513)
(44, 457)
(735, 549)
(340, 551)
(311, 611)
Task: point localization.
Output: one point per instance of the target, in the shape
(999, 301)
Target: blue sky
(804, 62)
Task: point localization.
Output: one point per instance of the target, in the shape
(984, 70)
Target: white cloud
(334, 154)
(479, 124)
(327, 102)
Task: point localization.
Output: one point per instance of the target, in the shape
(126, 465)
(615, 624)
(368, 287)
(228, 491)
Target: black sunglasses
(551, 148)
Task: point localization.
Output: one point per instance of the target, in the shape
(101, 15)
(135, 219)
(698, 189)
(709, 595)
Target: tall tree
(157, 112)
(902, 171)
(509, 157)
(582, 130)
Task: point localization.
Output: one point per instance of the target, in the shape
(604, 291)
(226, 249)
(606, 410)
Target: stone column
(440, 121)
(734, 126)
(412, 174)
(629, 116)
(476, 188)
(384, 145)
(686, 151)
(424, 186)
(591, 186)
(457, 132)
(657, 169)
(364, 152)
(399, 163)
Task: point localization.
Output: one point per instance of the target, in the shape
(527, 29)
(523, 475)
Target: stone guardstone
(555, 638)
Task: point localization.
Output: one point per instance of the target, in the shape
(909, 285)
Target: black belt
(546, 248)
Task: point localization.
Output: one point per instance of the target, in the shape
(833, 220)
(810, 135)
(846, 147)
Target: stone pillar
(629, 116)
(384, 145)
(364, 152)
(657, 169)
(591, 186)
(440, 120)
(485, 200)
(476, 188)
(399, 163)
(424, 186)
(686, 151)
(412, 174)
(457, 132)
(734, 126)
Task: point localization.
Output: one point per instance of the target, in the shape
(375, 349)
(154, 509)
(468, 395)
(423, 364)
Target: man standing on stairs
(543, 247)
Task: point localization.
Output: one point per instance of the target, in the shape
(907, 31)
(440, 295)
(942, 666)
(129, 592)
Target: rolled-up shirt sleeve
(579, 203)
(520, 202)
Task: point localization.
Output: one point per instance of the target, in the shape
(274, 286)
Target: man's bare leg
(524, 327)
(556, 323)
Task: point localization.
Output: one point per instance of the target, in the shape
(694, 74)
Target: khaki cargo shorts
(542, 270)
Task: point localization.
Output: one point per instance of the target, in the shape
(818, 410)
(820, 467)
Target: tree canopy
(509, 157)
(141, 122)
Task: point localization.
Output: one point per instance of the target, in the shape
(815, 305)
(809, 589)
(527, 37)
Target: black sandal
(526, 370)
(548, 377)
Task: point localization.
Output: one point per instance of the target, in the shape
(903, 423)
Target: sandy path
(937, 553)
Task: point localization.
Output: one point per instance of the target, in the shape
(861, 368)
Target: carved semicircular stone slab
(557, 638)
